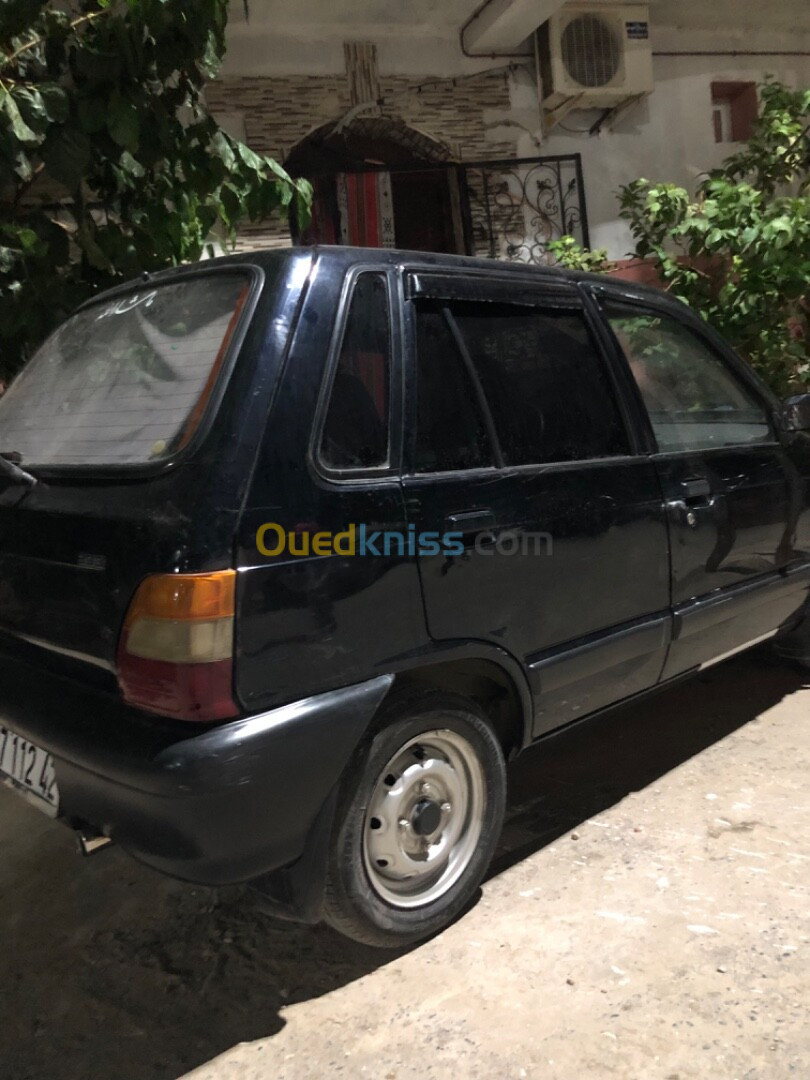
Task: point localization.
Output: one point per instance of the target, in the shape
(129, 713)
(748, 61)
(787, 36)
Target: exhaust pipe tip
(90, 842)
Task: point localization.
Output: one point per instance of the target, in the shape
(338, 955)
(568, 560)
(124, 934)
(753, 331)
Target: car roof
(343, 258)
(347, 256)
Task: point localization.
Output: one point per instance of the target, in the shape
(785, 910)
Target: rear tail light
(175, 656)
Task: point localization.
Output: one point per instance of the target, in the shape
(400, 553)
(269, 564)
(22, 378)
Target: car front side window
(694, 401)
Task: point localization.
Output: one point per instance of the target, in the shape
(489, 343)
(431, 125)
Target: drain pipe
(699, 52)
(485, 55)
(730, 52)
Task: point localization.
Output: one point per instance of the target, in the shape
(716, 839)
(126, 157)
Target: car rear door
(736, 498)
(518, 443)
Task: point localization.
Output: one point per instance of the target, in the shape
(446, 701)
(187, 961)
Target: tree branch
(24, 188)
(32, 44)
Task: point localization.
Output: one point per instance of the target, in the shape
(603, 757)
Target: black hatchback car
(297, 548)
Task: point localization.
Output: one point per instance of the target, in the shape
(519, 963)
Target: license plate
(29, 770)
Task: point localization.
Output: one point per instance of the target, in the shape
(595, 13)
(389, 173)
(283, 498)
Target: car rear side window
(544, 382)
(125, 381)
(356, 431)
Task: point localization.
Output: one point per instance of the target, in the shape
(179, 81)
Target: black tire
(354, 900)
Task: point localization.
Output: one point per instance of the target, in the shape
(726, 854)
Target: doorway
(380, 183)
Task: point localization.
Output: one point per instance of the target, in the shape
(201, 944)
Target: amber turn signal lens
(184, 596)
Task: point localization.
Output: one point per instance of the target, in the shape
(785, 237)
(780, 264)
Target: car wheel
(420, 815)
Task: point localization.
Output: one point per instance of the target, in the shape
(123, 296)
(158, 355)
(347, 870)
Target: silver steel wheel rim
(424, 819)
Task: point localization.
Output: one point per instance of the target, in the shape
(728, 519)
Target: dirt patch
(647, 916)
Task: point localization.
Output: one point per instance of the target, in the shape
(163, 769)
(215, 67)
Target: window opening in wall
(735, 108)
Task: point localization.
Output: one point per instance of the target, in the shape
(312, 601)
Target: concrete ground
(647, 917)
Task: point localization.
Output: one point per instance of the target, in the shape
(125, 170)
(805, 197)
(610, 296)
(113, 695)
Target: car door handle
(689, 513)
(696, 487)
(680, 513)
(470, 521)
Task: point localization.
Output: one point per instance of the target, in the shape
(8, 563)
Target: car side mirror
(796, 413)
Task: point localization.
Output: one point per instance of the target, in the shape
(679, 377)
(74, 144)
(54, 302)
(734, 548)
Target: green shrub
(739, 252)
(110, 164)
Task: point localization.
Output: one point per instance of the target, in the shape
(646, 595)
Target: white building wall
(668, 136)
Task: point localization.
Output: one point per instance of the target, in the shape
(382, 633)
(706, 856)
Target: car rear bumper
(215, 806)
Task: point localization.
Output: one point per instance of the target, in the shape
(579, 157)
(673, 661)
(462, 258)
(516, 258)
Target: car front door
(519, 447)
(737, 498)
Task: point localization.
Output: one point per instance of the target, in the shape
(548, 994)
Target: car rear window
(125, 381)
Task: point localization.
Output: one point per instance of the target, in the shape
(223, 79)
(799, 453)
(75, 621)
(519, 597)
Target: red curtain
(352, 208)
(366, 209)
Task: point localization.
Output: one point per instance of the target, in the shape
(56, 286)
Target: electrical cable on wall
(449, 80)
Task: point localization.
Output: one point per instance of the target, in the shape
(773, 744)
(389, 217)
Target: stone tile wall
(279, 111)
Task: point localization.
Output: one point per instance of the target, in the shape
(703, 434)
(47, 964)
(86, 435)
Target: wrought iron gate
(512, 208)
(502, 209)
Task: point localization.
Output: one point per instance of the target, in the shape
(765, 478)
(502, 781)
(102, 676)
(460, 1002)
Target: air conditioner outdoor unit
(595, 56)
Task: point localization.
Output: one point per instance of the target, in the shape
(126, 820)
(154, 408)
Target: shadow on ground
(111, 971)
(573, 776)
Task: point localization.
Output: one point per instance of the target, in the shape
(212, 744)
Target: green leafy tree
(570, 255)
(110, 164)
(739, 252)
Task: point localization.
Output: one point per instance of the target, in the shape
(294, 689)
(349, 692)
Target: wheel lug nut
(403, 823)
(446, 807)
